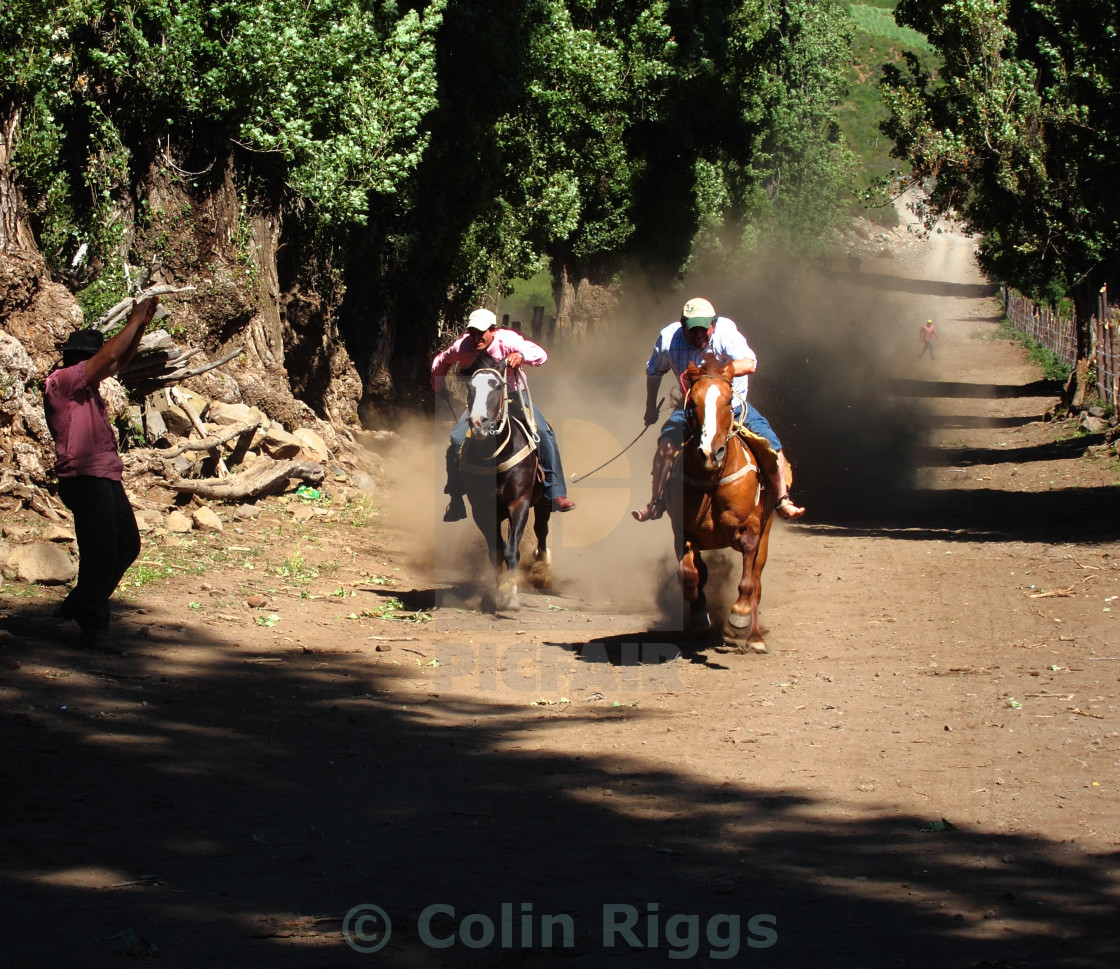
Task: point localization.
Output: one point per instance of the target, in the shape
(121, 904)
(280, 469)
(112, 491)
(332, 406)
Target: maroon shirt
(83, 438)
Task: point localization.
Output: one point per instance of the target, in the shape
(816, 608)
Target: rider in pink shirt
(483, 340)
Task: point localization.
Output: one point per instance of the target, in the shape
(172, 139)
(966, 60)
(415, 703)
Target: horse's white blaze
(711, 413)
(481, 385)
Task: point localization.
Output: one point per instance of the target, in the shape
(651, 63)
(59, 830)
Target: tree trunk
(9, 201)
(1079, 386)
(564, 293)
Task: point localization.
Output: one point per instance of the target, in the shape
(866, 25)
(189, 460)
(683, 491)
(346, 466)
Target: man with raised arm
(89, 469)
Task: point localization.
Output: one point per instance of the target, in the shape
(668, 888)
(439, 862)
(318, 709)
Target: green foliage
(878, 21)
(450, 146)
(1017, 135)
(876, 40)
(1045, 359)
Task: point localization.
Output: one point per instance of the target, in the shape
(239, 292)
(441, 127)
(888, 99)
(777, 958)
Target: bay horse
(503, 478)
(716, 499)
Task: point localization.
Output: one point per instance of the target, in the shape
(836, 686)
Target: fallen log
(263, 478)
(177, 397)
(212, 441)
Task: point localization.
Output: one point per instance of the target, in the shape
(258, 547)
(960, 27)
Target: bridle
(501, 423)
(502, 426)
(733, 426)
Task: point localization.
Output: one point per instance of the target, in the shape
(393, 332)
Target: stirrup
(456, 509)
(654, 510)
(785, 508)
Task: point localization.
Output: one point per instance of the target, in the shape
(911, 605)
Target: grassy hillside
(877, 40)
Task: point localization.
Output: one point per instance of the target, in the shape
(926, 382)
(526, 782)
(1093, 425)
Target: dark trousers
(108, 543)
(547, 451)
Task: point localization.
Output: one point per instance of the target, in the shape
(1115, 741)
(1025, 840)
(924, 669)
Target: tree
(1019, 137)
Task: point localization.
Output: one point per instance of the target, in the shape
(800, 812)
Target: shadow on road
(919, 287)
(208, 807)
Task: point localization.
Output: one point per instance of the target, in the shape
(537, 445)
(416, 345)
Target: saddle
(764, 454)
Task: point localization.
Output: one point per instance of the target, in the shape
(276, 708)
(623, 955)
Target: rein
(512, 461)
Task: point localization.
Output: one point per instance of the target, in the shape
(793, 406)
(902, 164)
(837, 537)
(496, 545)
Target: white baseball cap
(698, 312)
(481, 320)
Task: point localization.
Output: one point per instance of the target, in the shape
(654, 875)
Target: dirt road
(922, 772)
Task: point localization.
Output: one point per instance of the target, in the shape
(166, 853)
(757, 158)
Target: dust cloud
(826, 341)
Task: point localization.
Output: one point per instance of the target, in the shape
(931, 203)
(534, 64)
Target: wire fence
(1055, 331)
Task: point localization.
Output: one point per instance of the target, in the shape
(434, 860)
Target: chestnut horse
(716, 499)
(501, 468)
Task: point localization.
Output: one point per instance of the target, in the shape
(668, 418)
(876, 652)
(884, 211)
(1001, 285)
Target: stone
(1093, 425)
(218, 412)
(16, 367)
(56, 533)
(277, 442)
(178, 523)
(302, 513)
(313, 445)
(42, 563)
(155, 427)
(148, 520)
(207, 520)
(246, 511)
(363, 482)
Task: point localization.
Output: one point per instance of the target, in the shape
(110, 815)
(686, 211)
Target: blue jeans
(108, 543)
(676, 427)
(547, 451)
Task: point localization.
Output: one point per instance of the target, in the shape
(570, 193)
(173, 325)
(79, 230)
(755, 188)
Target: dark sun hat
(82, 344)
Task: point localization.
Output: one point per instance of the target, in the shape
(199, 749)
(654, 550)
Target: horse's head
(486, 395)
(707, 408)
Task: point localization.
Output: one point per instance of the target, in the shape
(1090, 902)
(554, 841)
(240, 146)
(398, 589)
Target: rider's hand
(514, 359)
(652, 412)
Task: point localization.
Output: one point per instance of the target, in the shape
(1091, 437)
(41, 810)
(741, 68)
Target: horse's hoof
(540, 575)
(739, 621)
(753, 645)
(544, 556)
(699, 621)
(507, 600)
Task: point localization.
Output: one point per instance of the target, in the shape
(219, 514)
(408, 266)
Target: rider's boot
(663, 460)
(784, 506)
(456, 509)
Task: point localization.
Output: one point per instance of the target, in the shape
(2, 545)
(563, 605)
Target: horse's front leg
(693, 571)
(507, 580)
(540, 572)
(742, 628)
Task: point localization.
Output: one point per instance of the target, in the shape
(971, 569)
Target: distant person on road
(485, 344)
(89, 469)
(927, 333)
(703, 337)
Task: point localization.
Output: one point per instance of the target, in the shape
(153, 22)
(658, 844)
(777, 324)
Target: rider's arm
(530, 353)
(445, 361)
(745, 365)
(652, 386)
(115, 355)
